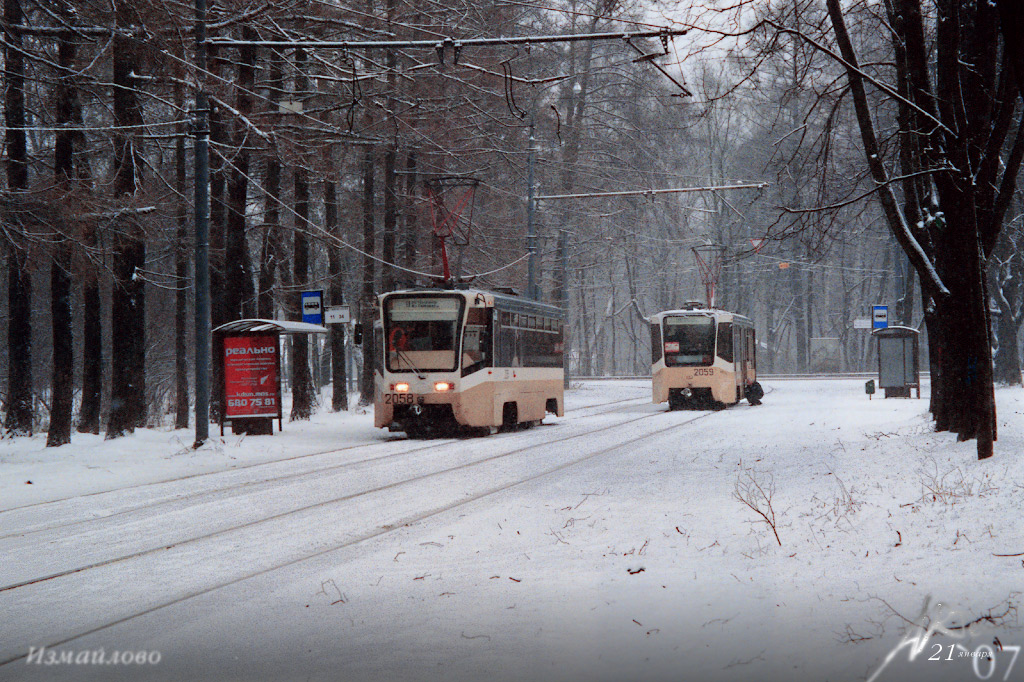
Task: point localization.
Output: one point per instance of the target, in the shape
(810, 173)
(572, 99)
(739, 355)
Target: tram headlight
(401, 388)
(687, 393)
(443, 386)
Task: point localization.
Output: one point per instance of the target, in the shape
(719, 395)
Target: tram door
(739, 345)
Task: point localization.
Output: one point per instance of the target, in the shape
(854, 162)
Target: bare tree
(959, 124)
(19, 416)
(62, 378)
(181, 401)
(128, 321)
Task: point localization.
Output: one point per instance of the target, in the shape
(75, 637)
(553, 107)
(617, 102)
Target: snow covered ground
(611, 544)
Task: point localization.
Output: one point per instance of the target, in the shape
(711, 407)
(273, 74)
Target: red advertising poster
(250, 376)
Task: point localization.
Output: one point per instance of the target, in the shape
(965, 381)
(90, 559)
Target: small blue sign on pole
(313, 306)
(880, 317)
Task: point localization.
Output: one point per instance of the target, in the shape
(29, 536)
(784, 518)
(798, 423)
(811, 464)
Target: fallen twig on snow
(758, 497)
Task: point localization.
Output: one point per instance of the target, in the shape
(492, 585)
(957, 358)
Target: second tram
(703, 358)
(449, 358)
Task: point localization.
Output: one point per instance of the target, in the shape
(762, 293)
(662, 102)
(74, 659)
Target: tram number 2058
(399, 398)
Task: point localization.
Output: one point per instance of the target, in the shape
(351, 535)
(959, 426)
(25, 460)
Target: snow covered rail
(161, 561)
(81, 510)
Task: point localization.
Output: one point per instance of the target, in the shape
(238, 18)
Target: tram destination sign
(250, 377)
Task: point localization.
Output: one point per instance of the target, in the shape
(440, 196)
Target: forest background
(883, 139)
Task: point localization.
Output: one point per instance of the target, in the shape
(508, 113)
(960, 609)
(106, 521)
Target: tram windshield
(421, 333)
(689, 340)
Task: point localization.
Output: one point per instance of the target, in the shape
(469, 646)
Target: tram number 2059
(399, 398)
(704, 372)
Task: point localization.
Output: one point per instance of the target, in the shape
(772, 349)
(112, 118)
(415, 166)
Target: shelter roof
(277, 326)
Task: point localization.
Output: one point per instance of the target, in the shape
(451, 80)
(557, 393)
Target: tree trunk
(339, 378)
(410, 226)
(586, 353)
(270, 250)
(128, 320)
(302, 381)
(19, 281)
(1006, 274)
(19, 345)
(1007, 369)
(92, 345)
(387, 273)
(62, 380)
(367, 299)
(218, 309)
(181, 402)
(968, 404)
(238, 288)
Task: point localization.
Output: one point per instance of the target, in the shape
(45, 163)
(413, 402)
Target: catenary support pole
(531, 226)
(202, 218)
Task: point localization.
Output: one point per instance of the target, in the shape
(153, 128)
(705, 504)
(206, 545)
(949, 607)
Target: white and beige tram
(449, 358)
(703, 358)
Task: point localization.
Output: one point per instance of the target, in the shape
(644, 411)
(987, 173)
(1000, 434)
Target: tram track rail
(222, 531)
(174, 500)
(54, 583)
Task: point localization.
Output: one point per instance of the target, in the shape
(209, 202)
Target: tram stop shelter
(898, 361)
(247, 363)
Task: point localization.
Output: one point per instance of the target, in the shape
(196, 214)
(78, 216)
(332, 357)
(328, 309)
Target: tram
(465, 358)
(703, 358)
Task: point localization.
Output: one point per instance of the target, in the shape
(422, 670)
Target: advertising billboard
(250, 377)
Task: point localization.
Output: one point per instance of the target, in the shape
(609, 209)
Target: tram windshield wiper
(404, 357)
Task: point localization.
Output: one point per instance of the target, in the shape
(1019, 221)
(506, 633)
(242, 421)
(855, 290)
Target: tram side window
(725, 341)
(505, 341)
(543, 348)
(656, 346)
(476, 344)
(522, 340)
(378, 348)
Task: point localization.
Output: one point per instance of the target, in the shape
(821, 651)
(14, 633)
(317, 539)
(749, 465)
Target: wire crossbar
(444, 42)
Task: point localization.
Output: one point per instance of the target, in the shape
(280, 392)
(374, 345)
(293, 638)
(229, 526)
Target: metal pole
(202, 262)
(563, 300)
(531, 228)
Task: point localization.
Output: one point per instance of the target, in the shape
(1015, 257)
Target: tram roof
(708, 312)
(505, 301)
(277, 326)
